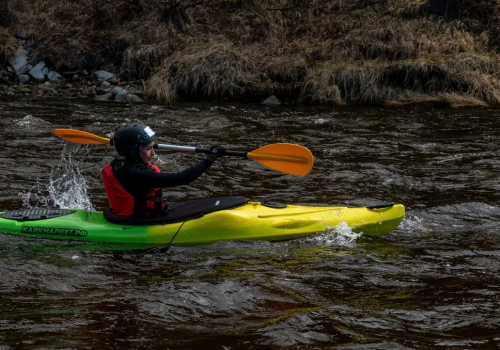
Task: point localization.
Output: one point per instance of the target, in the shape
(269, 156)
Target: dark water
(434, 283)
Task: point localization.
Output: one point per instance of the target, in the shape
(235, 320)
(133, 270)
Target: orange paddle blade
(77, 136)
(284, 157)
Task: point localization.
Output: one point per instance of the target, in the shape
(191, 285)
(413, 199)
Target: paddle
(285, 157)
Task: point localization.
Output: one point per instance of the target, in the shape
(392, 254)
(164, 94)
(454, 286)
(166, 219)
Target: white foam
(340, 234)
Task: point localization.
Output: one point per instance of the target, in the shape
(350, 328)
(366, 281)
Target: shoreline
(308, 53)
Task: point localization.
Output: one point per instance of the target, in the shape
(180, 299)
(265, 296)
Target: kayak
(201, 221)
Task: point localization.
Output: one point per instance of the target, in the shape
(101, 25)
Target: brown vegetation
(308, 51)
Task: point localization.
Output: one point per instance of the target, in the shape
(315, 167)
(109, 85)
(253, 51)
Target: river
(433, 283)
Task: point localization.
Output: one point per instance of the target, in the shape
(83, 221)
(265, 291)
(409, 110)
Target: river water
(433, 283)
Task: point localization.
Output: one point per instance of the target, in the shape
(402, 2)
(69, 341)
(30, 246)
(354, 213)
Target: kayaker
(133, 184)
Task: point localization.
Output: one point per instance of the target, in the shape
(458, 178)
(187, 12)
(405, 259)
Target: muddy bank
(337, 52)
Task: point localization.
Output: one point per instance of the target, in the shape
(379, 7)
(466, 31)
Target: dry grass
(309, 51)
(216, 71)
(7, 44)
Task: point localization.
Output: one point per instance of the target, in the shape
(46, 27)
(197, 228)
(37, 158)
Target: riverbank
(442, 52)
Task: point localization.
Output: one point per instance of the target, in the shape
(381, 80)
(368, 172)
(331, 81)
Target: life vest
(123, 203)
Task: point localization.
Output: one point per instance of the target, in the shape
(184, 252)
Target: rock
(106, 76)
(24, 79)
(105, 85)
(20, 52)
(118, 90)
(20, 64)
(45, 71)
(19, 34)
(25, 89)
(121, 96)
(76, 77)
(271, 101)
(86, 72)
(134, 98)
(104, 97)
(53, 76)
(37, 72)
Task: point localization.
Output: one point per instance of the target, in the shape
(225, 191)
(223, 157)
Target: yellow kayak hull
(251, 221)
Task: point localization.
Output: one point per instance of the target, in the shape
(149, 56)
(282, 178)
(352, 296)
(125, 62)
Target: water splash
(67, 187)
(413, 224)
(341, 235)
(31, 122)
(37, 196)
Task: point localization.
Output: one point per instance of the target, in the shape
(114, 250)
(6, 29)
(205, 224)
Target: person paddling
(134, 185)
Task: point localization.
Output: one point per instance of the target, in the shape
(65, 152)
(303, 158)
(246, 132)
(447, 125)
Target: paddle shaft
(198, 150)
(256, 157)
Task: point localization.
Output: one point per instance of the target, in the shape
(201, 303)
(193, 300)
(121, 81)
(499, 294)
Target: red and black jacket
(134, 188)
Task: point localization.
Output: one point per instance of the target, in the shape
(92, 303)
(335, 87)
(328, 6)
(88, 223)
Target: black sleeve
(152, 179)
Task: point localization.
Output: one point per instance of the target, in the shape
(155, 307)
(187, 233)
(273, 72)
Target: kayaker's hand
(216, 151)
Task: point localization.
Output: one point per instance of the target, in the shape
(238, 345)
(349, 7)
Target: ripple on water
(432, 284)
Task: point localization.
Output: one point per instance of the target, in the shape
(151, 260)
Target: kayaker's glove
(216, 151)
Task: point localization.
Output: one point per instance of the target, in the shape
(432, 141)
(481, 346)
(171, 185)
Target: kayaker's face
(147, 153)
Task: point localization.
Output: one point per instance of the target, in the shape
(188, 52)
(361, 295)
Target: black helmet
(131, 138)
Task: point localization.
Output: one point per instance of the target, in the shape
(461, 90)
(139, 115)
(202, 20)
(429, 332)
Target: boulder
(53, 76)
(19, 34)
(104, 97)
(121, 96)
(37, 72)
(134, 98)
(118, 90)
(20, 64)
(106, 76)
(271, 101)
(20, 52)
(105, 85)
(24, 79)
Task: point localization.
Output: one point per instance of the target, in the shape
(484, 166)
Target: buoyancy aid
(124, 203)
